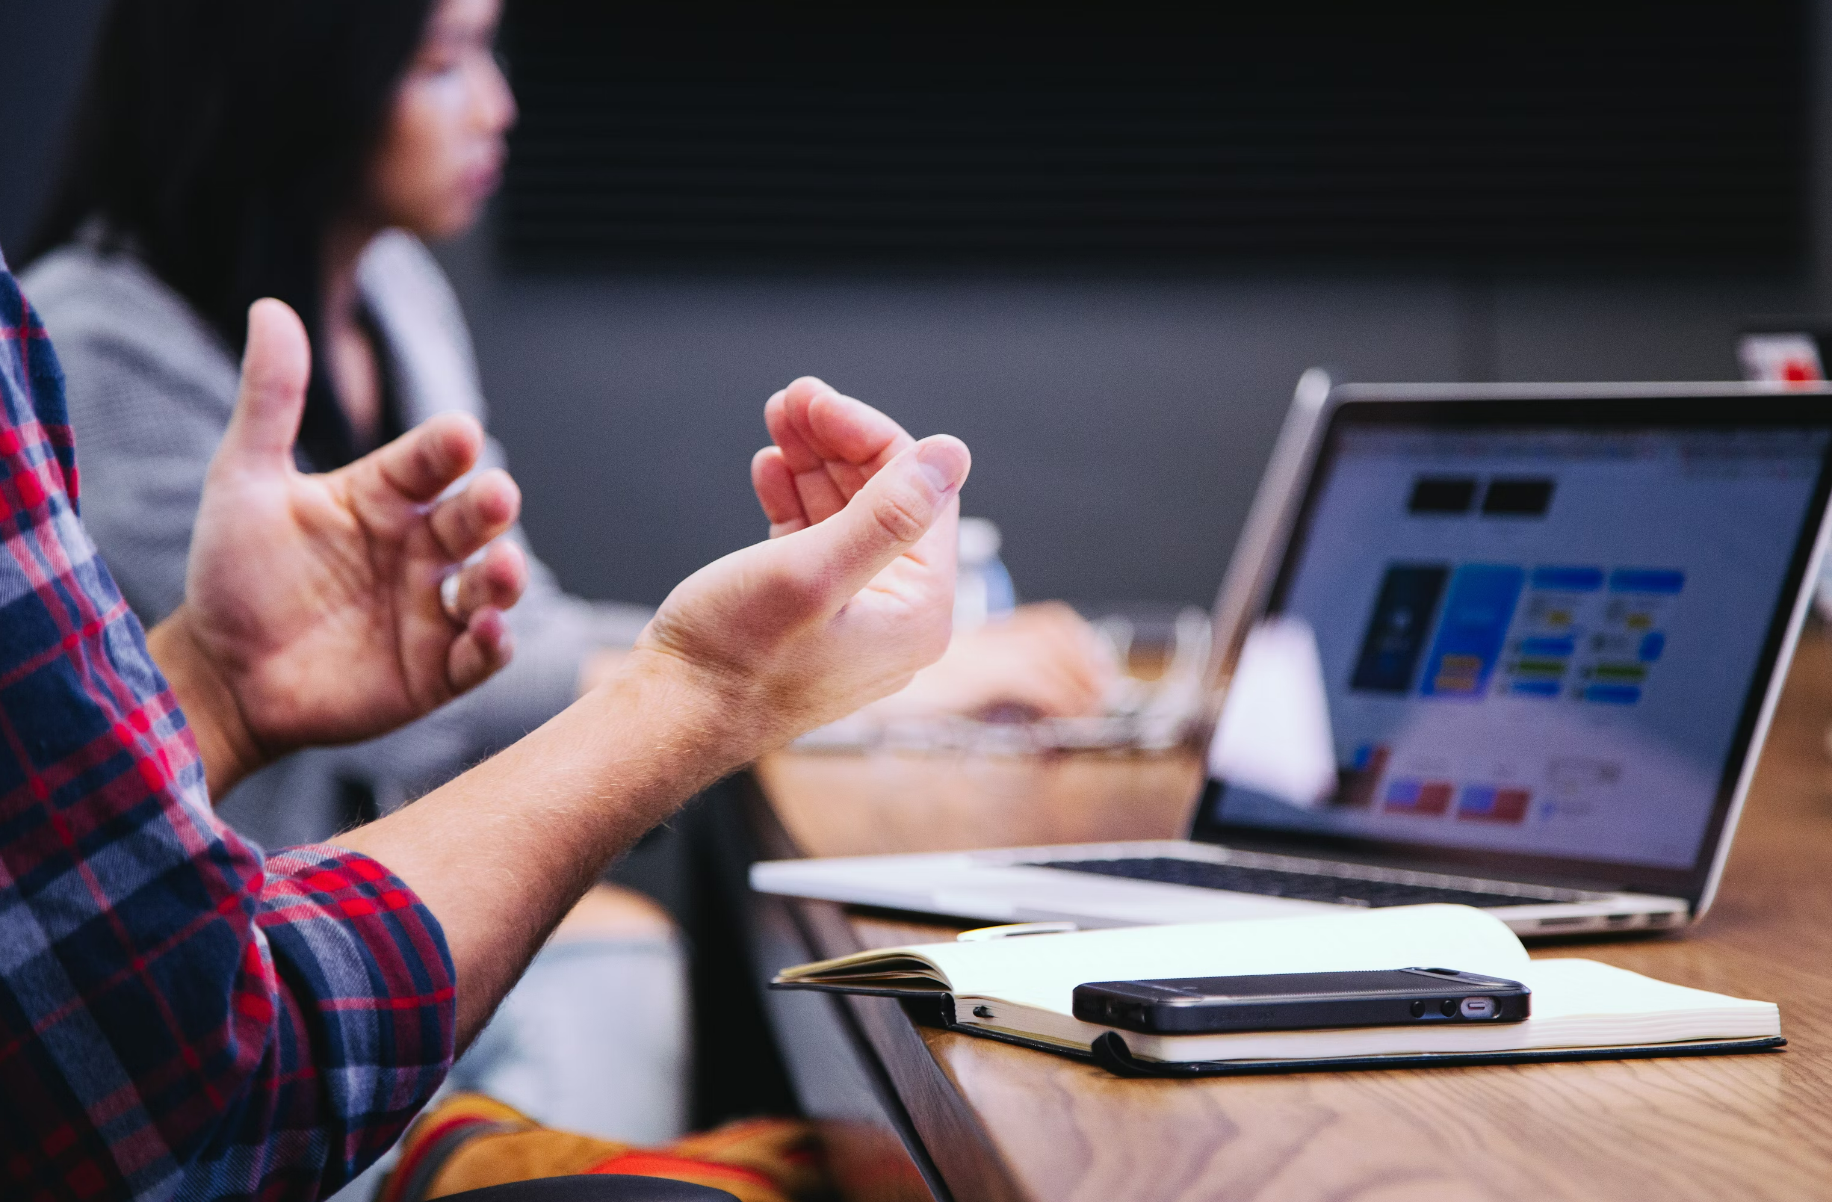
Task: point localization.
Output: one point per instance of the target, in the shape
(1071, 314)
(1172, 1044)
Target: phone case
(1302, 1001)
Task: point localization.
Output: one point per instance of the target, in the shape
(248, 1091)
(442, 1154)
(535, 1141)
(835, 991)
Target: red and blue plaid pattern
(179, 1017)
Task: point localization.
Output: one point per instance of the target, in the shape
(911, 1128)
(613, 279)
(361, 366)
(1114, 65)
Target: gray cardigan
(151, 387)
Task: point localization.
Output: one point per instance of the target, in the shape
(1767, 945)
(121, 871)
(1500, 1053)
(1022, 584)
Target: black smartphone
(1399, 997)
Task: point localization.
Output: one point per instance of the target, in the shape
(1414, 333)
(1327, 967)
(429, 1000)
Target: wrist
(700, 712)
(225, 743)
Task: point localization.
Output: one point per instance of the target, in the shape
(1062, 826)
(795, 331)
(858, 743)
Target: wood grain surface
(884, 802)
(1025, 1124)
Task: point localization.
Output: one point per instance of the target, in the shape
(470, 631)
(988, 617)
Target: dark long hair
(220, 139)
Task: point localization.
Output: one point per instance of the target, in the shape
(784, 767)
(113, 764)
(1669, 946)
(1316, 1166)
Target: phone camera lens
(1447, 1007)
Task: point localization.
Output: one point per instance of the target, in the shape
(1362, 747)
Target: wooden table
(917, 1112)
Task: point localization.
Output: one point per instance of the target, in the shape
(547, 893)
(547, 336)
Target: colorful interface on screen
(1540, 641)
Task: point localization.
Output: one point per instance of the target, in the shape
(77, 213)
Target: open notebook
(1019, 990)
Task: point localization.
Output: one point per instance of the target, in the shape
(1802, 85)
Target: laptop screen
(1539, 645)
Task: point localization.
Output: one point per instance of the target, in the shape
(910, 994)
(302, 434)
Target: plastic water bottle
(983, 591)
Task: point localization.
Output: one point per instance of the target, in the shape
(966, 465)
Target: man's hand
(1042, 662)
(312, 608)
(843, 606)
(853, 593)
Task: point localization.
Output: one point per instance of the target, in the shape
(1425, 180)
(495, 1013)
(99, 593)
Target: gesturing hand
(852, 594)
(1042, 661)
(312, 608)
(826, 447)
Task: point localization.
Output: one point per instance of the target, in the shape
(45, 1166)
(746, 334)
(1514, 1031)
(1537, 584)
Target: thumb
(899, 511)
(276, 366)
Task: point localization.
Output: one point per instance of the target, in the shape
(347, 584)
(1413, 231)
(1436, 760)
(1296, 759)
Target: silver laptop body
(1550, 627)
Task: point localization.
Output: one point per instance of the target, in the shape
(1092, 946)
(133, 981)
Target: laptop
(1535, 635)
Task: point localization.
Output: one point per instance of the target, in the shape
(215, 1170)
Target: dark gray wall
(1118, 426)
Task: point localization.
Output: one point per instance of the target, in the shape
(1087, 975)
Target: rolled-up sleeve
(357, 980)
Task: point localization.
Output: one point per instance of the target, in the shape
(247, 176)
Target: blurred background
(1100, 245)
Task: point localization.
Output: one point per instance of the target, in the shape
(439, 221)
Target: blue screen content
(1539, 641)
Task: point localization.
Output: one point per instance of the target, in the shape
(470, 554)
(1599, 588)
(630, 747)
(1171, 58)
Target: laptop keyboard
(1306, 886)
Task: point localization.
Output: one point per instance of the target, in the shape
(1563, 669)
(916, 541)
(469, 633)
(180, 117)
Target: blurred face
(441, 154)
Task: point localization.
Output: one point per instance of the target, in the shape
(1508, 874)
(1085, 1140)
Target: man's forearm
(501, 853)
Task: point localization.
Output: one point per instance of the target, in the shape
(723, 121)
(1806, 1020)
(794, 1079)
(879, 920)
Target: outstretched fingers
(483, 510)
(276, 366)
(424, 462)
(483, 649)
(494, 580)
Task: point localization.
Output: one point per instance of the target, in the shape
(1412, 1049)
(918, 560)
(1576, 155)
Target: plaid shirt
(179, 1017)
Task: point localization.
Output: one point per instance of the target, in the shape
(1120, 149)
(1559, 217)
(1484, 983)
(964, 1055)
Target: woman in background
(304, 149)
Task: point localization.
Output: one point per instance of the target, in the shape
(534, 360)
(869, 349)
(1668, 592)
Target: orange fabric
(413, 1151)
(756, 1160)
(656, 1164)
(784, 1151)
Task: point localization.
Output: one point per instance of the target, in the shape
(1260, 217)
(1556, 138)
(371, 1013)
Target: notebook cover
(1111, 1053)
(907, 995)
